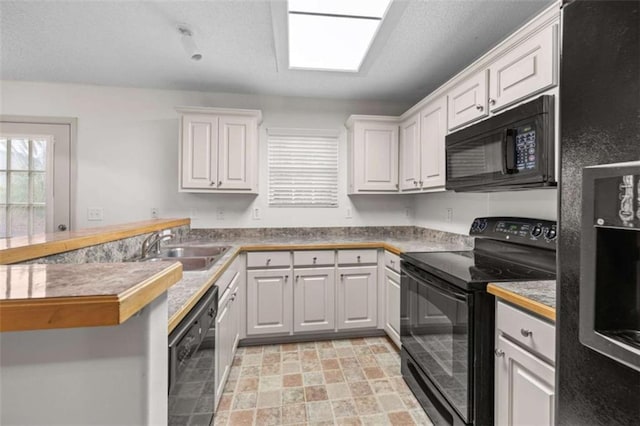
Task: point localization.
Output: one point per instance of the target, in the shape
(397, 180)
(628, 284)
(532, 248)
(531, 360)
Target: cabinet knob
(315, 260)
(479, 107)
(393, 262)
(492, 101)
(499, 353)
(286, 277)
(525, 332)
(420, 183)
(219, 183)
(397, 186)
(212, 183)
(62, 227)
(342, 276)
(268, 262)
(358, 259)
(415, 182)
(297, 277)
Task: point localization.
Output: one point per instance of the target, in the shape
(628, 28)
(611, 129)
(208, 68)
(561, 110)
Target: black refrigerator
(600, 124)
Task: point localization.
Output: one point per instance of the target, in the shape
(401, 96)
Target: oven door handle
(446, 291)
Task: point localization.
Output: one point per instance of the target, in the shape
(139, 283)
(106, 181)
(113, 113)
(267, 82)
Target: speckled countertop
(535, 296)
(181, 295)
(46, 296)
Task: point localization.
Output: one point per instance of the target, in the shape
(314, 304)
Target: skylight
(332, 35)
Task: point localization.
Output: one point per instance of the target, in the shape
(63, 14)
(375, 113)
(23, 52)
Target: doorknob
(62, 227)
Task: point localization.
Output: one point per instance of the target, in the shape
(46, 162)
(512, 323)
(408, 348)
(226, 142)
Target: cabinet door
(524, 391)
(527, 69)
(467, 101)
(269, 302)
(236, 298)
(410, 153)
(314, 299)
(199, 151)
(376, 156)
(223, 358)
(357, 297)
(433, 130)
(237, 140)
(392, 304)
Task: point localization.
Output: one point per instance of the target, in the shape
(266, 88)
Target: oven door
(438, 336)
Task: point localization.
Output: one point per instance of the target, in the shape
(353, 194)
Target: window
(303, 168)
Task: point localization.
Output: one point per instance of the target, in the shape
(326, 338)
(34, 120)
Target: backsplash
(114, 251)
(376, 233)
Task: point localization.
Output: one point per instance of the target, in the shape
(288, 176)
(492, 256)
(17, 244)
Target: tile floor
(338, 382)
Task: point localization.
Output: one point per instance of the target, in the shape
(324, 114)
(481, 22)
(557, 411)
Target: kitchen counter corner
(538, 297)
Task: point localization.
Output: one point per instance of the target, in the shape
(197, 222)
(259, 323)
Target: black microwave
(512, 150)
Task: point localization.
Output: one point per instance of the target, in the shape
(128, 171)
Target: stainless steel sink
(195, 251)
(189, 263)
(193, 258)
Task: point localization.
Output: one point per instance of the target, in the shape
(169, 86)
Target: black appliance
(599, 107)
(448, 318)
(192, 364)
(512, 150)
(610, 276)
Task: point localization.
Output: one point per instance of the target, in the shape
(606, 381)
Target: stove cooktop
(474, 270)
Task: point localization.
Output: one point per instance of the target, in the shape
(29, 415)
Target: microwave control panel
(525, 148)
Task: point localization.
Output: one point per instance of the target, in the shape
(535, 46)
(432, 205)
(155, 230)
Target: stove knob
(483, 225)
(475, 225)
(536, 231)
(551, 234)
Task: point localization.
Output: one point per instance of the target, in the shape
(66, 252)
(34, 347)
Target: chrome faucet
(152, 242)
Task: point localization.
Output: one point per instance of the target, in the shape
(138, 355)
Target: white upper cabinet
(410, 153)
(468, 100)
(373, 154)
(433, 130)
(219, 150)
(528, 68)
(422, 147)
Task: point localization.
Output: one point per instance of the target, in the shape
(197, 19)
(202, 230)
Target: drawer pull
(268, 261)
(358, 259)
(315, 259)
(525, 332)
(499, 353)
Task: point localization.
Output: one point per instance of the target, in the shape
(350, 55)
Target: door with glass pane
(34, 178)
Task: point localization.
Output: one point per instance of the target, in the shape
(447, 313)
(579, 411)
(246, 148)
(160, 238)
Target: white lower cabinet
(392, 304)
(357, 297)
(228, 323)
(314, 299)
(524, 378)
(269, 302)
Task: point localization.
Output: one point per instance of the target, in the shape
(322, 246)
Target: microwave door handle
(508, 149)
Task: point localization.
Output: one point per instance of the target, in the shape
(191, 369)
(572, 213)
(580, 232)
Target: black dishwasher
(192, 364)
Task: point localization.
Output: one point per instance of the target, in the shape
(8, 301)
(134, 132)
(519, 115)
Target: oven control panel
(526, 148)
(534, 232)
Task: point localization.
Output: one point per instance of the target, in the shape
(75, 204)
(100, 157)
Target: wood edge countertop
(21, 249)
(523, 302)
(193, 300)
(86, 311)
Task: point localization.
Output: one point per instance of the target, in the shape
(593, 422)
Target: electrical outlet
(155, 212)
(255, 213)
(95, 214)
(219, 213)
(348, 214)
(449, 214)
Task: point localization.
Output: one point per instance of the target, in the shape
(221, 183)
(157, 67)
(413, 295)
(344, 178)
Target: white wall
(127, 154)
(430, 210)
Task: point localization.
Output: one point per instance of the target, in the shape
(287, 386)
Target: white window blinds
(303, 169)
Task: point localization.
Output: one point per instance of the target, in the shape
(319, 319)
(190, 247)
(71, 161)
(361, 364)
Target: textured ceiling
(134, 43)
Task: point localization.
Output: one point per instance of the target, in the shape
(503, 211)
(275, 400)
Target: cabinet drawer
(392, 261)
(268, 259)
(228, 275)
(314, 258)
(349, 257)
(533, 333)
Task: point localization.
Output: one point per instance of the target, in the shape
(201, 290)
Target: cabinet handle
(393, 262)
(286, 277)
(525, 332)
(499, 353)
(268, 262)
(492, 101)
(358, 259)
(397, 186)
(420, 183)
(314, 260)
(415, 182)
(212, 183)
(297, 277)
(479, 107)
(342, 276)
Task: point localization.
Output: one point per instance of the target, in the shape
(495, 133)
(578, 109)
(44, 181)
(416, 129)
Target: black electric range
(448, 318)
